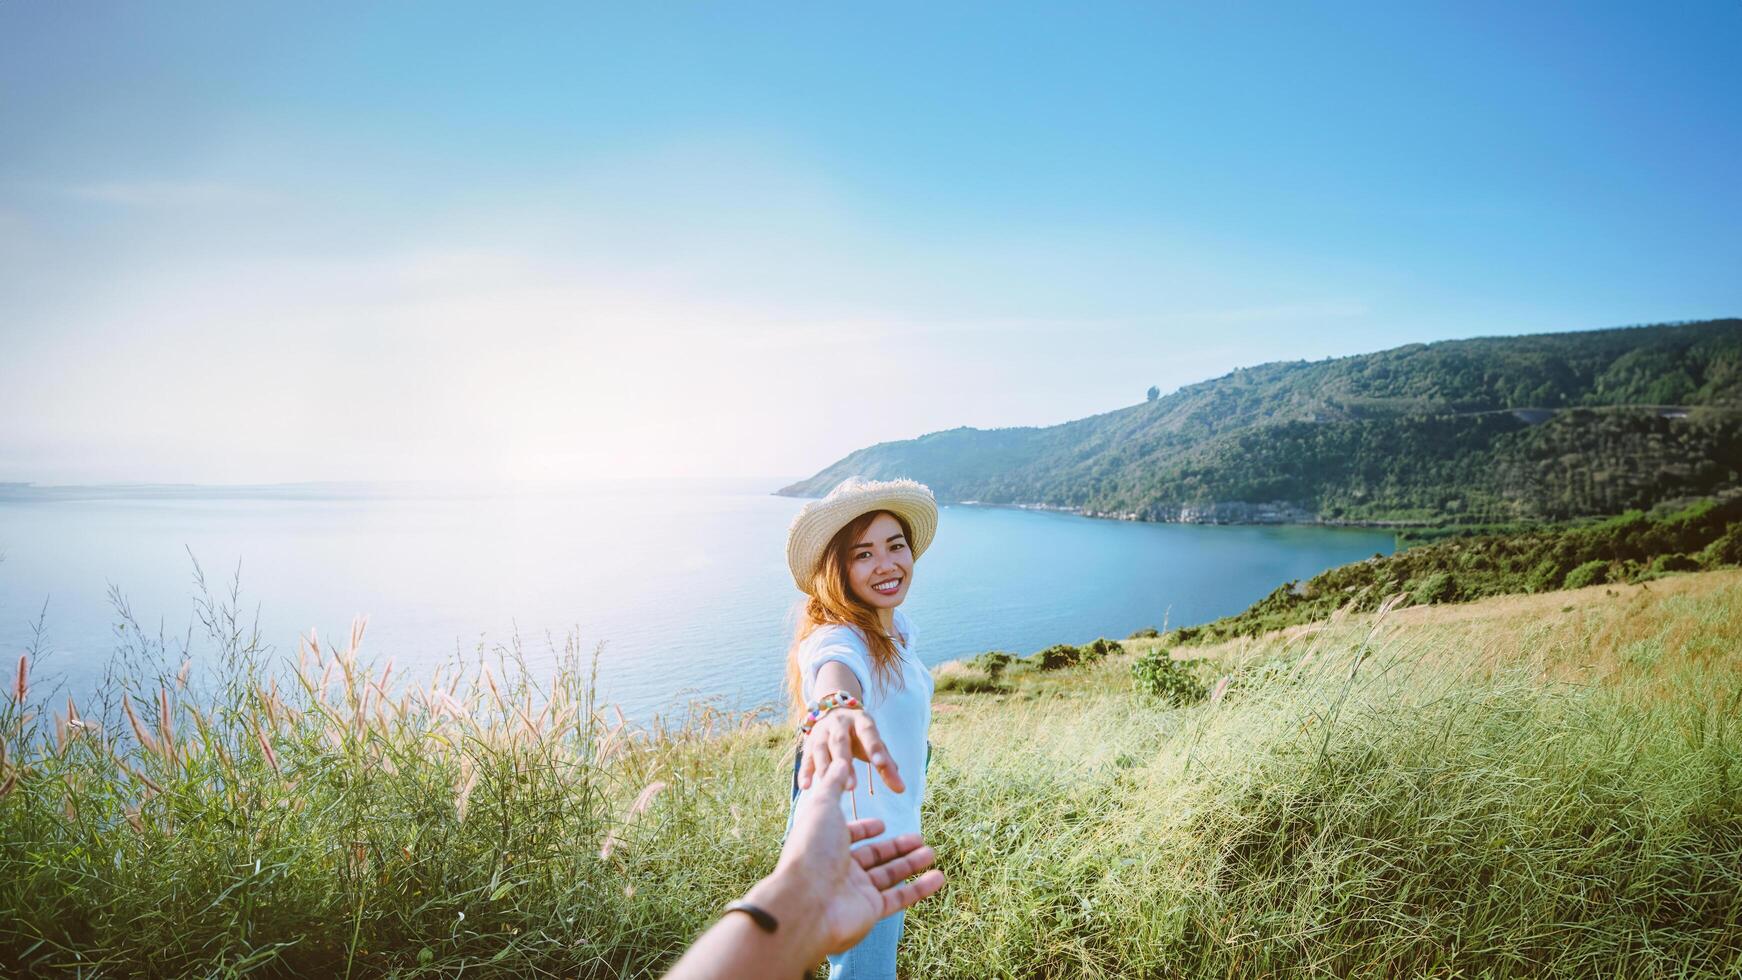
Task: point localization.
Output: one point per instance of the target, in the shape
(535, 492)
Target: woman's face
(880, 564)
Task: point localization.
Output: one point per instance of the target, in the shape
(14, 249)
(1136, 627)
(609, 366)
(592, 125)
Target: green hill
(1494, 429)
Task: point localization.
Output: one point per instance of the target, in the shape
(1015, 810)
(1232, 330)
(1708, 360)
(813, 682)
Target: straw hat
(821, 519)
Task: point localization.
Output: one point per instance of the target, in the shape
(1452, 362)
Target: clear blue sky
(248, 242)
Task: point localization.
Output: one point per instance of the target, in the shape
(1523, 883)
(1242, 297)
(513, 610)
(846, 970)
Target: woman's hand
(847, 733)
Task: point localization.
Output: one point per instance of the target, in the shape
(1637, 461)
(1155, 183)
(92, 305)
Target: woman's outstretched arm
(824, 895)
(845, 733)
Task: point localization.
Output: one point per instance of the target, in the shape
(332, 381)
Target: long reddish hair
(832, 602)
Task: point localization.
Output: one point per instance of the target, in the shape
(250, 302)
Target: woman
(855, 681)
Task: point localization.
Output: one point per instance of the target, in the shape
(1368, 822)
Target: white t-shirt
(902, 711)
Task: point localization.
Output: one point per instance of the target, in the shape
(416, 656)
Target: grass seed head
(463, 791)
(146, 741)
(266, 749)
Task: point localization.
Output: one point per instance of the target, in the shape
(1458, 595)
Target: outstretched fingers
(832, 777)
(822, 749)
(858, 830)
(876, 752)
(840, 743)
(880, 852)
(891, 873)
(910, 893)
(889, 863)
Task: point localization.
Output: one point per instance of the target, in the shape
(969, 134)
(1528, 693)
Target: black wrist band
(764, 921)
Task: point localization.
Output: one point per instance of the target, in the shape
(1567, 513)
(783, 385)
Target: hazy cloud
(166, 193)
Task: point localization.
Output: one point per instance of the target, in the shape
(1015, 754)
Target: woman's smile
(879, 566)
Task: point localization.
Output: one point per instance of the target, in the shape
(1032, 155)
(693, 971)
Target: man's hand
(847, 891)
(824, 896)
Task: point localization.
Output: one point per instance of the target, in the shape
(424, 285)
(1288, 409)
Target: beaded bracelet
(822, 706)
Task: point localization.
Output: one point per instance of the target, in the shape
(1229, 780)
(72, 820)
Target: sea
(680, 587)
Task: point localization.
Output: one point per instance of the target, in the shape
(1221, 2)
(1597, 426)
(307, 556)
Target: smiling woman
(858, 688)
(864, 569)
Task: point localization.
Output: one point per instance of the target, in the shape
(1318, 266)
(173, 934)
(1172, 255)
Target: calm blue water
(686, 586)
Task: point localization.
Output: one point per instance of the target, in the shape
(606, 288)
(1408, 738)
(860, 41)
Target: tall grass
(1395, 801)
(317, 819)
(1524, 790)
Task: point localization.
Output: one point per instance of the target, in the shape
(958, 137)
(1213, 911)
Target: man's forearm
(736, 947)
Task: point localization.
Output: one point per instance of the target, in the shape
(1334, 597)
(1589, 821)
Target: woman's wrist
(822, 707)
(841, 715)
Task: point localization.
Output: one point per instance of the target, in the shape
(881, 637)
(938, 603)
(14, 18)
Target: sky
(259, 243)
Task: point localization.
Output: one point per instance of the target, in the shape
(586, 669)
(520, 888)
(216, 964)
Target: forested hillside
(1494, 429)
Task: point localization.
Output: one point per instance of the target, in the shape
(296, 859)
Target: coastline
(1274, 514)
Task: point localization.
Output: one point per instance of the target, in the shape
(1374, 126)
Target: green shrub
(1101, 649)
(1146, 633)
(960, 683)
(1727, 550)
(1546, 576)
(1438, 587)
(993, 662)
(1595, 572)
(1158, 675)
(1674, 563)
(1062, 655)
(1059, 656)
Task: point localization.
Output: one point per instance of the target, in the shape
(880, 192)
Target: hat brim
(821, 520)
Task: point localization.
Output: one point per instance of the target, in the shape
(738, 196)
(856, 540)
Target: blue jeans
(874, 957)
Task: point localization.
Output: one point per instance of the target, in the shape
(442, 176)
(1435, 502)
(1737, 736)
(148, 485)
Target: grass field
(1545, 785)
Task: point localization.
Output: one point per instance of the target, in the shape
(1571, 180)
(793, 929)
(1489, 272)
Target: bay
(681, 585)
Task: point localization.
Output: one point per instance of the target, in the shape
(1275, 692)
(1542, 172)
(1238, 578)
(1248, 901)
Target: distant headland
(1493, 430)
